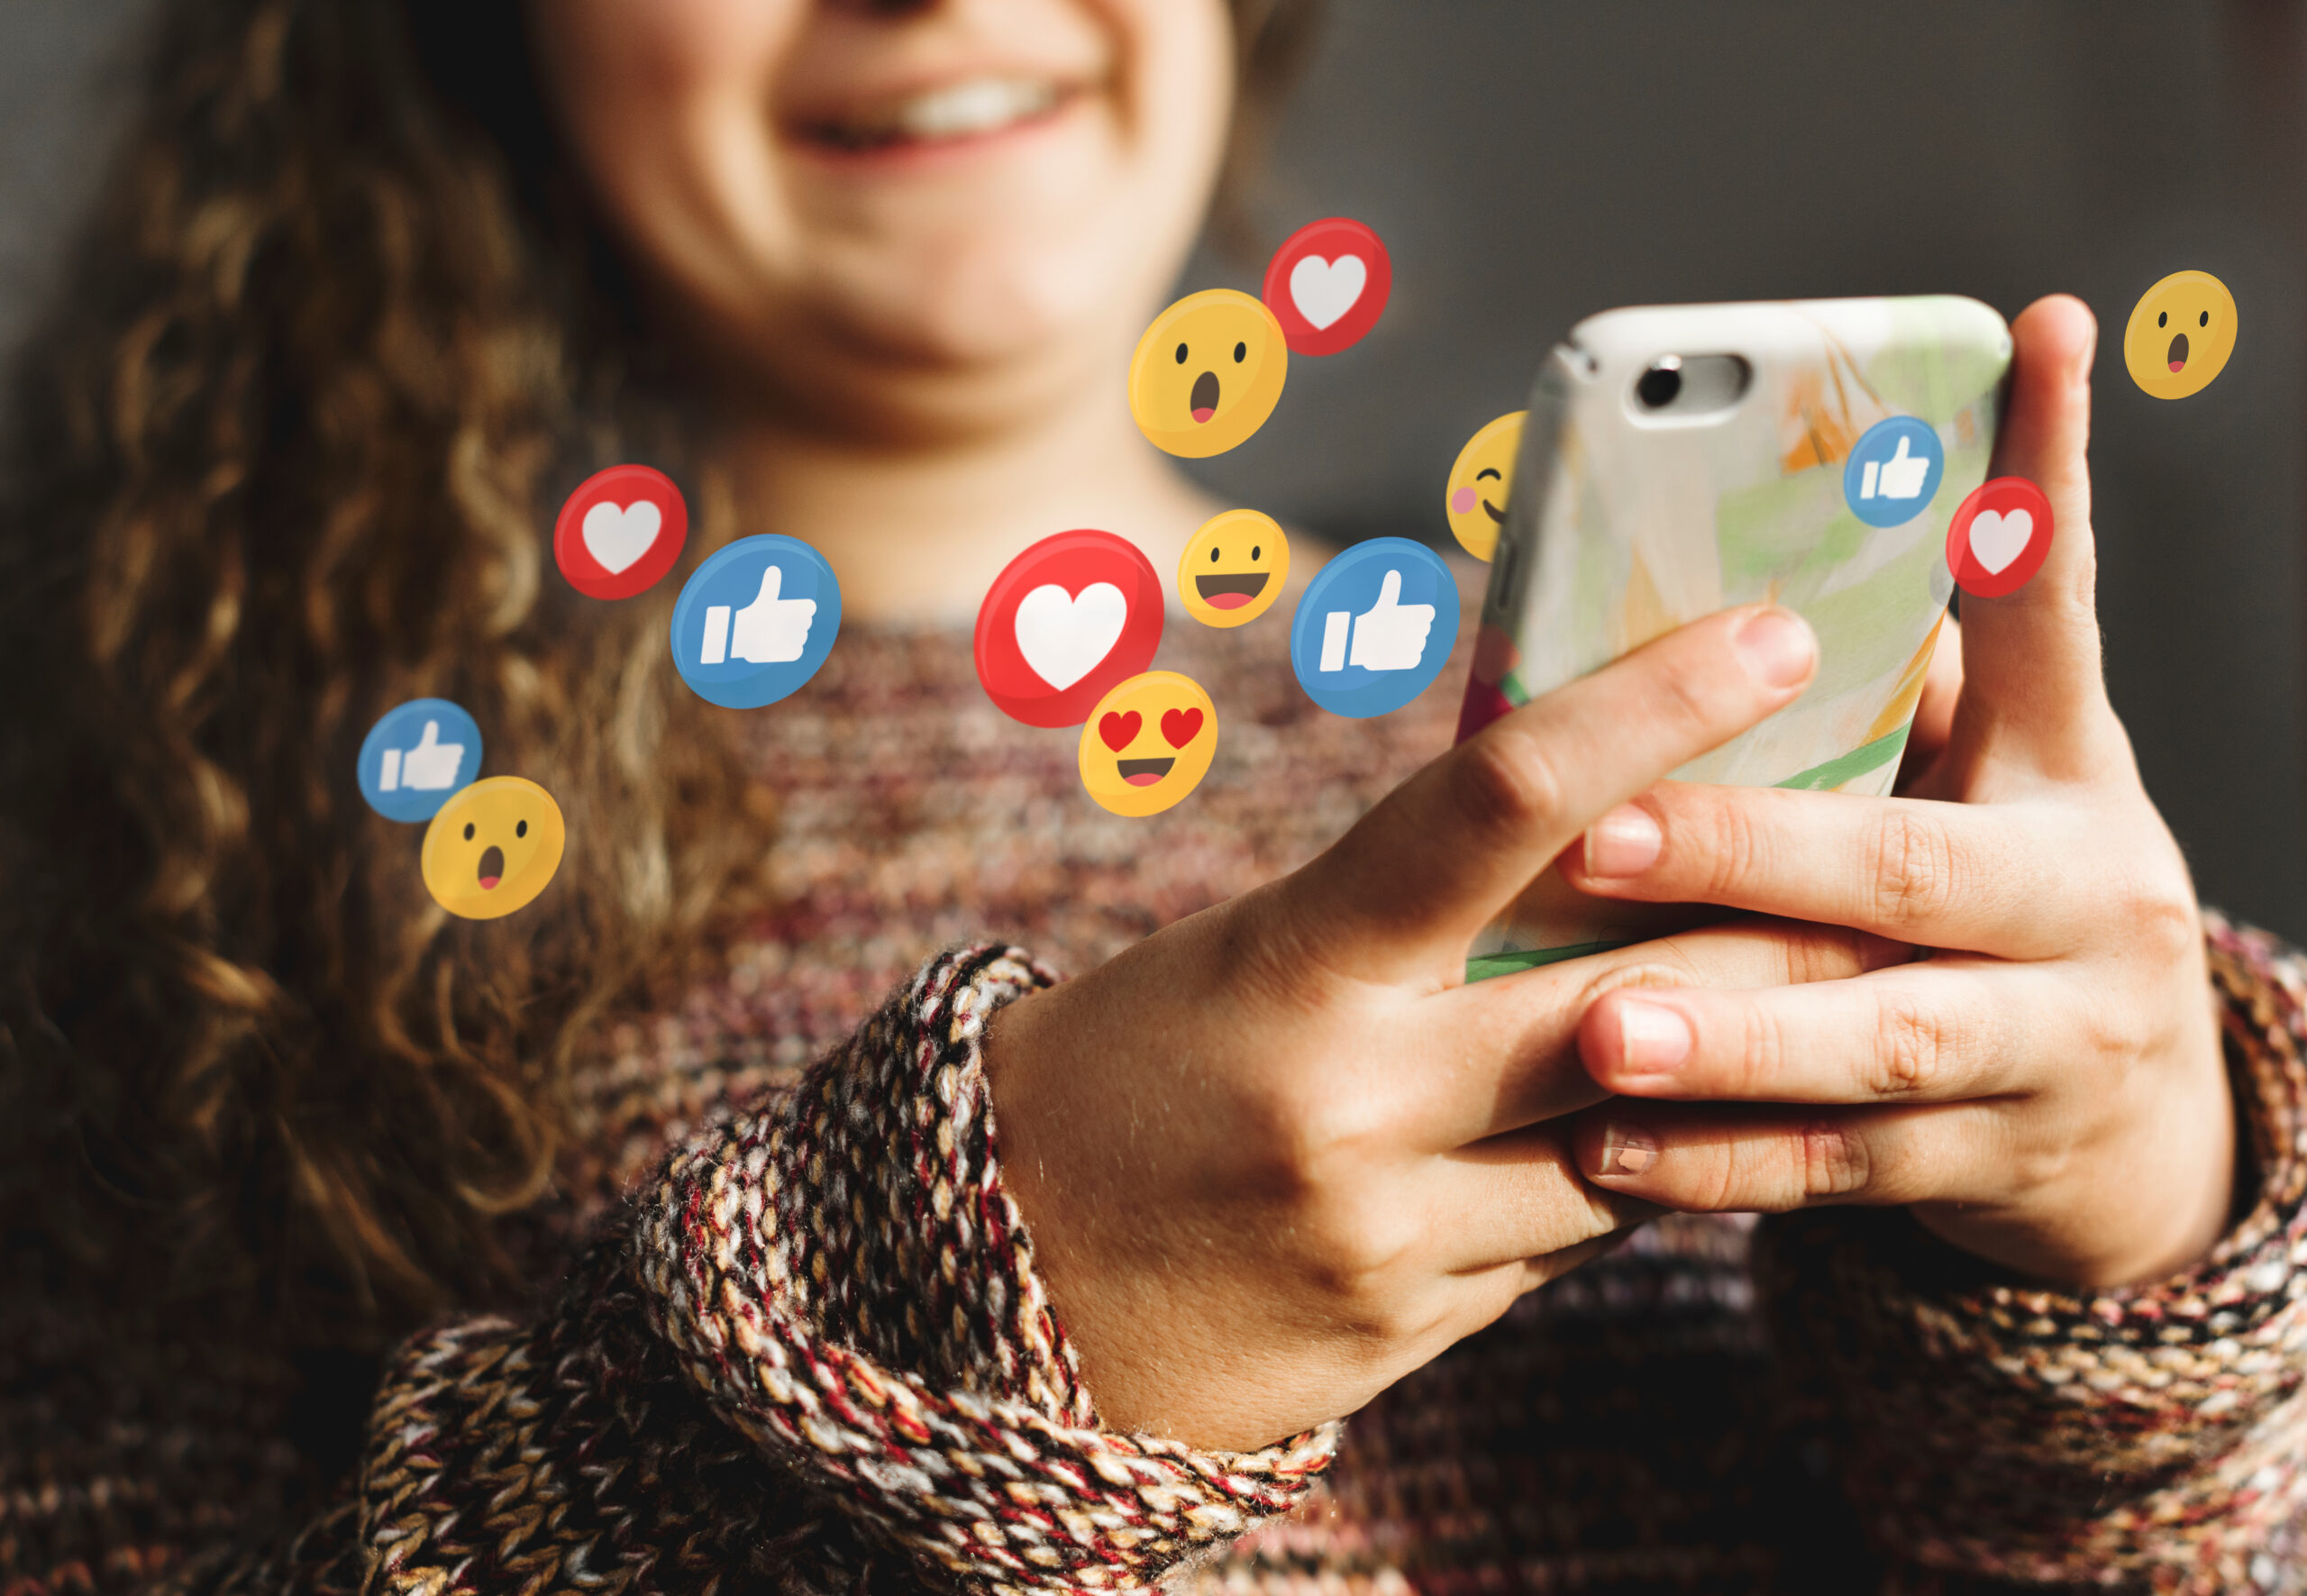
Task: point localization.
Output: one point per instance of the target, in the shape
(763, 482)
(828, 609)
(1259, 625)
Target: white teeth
(973, 105)
(976, 105)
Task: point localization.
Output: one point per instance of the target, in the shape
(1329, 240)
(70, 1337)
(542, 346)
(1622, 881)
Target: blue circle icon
(1893, 473)
(755, 621)
(1375, 628)
(416, 757)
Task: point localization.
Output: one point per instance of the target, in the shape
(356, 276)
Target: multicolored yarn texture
(793, 1340)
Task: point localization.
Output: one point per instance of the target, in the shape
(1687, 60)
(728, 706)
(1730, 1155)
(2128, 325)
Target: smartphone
(1678, 459)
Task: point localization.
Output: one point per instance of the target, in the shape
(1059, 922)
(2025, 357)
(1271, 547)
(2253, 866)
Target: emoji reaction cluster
(752, 625)
(2180, 335)
(493, 847)
(1068, 630)
(1233, 568)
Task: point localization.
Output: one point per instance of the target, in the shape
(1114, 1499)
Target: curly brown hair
(341, 328)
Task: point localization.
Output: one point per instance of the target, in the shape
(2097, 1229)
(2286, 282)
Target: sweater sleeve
(2151, 1438)
(815, 1355)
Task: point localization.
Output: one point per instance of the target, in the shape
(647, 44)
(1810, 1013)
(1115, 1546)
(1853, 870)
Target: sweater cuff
(1990, 1427)
(847, 1283)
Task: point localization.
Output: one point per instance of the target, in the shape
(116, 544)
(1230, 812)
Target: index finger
(1406, 889)
(2033, 688)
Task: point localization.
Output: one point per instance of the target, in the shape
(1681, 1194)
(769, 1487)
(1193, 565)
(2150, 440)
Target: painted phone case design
(1623, 528)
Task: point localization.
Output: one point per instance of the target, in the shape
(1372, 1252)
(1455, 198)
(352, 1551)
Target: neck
(916, 534)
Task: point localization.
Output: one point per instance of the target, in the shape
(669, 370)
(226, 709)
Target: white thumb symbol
(1904, 473)
(431, 764)
(770, 630)
(1391, 635)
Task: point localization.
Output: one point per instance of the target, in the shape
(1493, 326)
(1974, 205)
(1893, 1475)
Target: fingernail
(1625, 842)
(1626, 1150)
(1776, 648)
(1651, 1040)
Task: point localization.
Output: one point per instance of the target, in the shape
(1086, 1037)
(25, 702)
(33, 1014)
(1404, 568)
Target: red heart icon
(1179, 726)
(1120, 731)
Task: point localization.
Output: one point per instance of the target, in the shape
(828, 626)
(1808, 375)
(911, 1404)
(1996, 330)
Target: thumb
(2033, 686)
(1390, 592)
(772, 582)
(1900, 452)
(432, 734)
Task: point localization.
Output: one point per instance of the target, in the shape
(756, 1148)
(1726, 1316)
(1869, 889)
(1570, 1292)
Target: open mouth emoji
(492, 848)
(1148, 745)
(1233, 568)
(1207, 373)
(2180, 335)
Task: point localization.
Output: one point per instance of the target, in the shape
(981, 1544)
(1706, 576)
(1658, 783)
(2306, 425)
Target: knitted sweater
(802, 1344)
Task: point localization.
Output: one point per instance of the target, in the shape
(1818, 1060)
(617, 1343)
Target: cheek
(666, 107)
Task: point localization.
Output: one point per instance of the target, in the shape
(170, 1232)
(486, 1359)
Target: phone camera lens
(1659, 385)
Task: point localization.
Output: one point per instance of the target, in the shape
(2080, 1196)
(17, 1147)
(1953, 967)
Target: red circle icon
(1997, 537)
(620, 532)
(1327, 285)
(1063, 623)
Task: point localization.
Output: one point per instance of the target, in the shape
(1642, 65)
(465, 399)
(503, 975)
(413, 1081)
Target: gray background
(1532, 163)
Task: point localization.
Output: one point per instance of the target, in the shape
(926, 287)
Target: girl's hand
(2048, 1089)
(1277, 1155)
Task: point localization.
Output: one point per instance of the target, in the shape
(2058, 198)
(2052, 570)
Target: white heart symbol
(616, 537)
(1325, 290)
(1063, 636)
(1997, 539)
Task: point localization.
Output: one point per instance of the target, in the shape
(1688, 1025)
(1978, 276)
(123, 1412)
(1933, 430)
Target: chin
(989, 249)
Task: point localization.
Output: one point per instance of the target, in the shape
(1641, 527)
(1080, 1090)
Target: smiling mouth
(1496, 514)
(2178, 354)
(1203, 402)
(1144, 773)
(950, 114)
(1230, 592)
(492, 867)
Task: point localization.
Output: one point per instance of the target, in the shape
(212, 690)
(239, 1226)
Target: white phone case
(1622, 526)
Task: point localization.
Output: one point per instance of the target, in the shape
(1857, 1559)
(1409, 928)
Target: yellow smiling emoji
(1207, 373)
(2180, 334)
(1148, 743)
(1476, 498)
(493, 848)
(1233, 568)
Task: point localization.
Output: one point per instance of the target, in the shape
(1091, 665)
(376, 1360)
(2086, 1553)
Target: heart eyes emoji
(1148, 743)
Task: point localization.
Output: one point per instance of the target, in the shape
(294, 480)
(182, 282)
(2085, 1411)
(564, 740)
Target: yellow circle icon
(2180, 334)
(493, 848)
(1233, 568)
(1148, 743)
(1476, 498)
(1207, 373)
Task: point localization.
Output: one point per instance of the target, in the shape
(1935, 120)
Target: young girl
(353, 1246)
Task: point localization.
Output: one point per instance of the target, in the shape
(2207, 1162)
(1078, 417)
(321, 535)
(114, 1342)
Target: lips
(2177, 355)
(1230, 592)
(1203, 402)
(492, 867)
(1143, 772)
